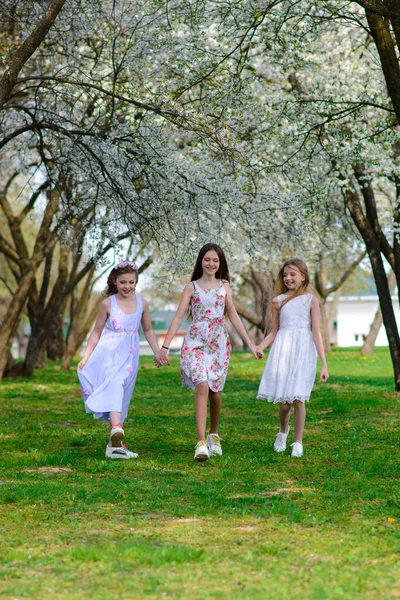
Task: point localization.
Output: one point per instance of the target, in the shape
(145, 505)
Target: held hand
(259, 353)
(253, 350)
(323, 376)
(159, 361)
(82, 363)
(162, 358)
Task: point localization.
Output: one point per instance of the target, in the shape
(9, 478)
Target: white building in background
(354, 318)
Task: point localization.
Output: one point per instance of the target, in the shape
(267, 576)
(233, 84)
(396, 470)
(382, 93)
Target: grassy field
(248, 525)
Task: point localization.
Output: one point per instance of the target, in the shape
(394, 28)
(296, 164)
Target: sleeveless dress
(291, 365)
(109, 376)
(206, 347)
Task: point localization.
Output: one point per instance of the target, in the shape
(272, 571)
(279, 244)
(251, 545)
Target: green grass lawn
(250, 524)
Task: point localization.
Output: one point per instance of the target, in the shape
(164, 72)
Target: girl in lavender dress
(206, 347)
(108, 370)
(295, 340)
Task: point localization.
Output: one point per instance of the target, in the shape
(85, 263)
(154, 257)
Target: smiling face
(126, 284)
(292, 278)
(210, 262)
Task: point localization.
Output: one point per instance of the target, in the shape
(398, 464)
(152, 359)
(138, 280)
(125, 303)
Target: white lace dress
(291, 365)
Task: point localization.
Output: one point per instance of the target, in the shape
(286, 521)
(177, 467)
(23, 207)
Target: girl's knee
(298, 405)
(215, 397)
(202, 387)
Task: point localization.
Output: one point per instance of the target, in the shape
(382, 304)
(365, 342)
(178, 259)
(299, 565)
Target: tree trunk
(372, 243)
(47, 321)
(55, 338)
(370, 340)
(332, 310)
(380, 31)
(77, 333)
(12, 318)
(326, 338)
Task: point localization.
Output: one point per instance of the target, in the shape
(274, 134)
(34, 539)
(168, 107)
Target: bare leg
(299, 420)
(201, 410)
(284, 415)
(115, 417)
(215, 410)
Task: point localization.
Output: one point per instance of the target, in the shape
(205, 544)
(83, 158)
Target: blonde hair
(280, 287)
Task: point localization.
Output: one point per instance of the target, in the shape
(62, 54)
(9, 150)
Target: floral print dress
(109, 376)
(206, 347)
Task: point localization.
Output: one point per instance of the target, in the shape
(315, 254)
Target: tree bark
(55, 338)
(332, 310)
(45, 239)
(380, 31)
(18, 58)
(78, 332)
(370, 340)
(373, 245)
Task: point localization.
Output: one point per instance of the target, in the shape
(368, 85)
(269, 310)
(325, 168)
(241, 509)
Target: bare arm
(177, 320)
(317, 337)
(104, 311)
(236, 321)
(148, 331)
(267, 341)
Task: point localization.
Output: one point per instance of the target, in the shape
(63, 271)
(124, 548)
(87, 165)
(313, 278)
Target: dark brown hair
(223, 271)
(111, 288)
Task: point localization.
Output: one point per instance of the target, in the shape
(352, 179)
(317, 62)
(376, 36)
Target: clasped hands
(161, 358)
(257, 352)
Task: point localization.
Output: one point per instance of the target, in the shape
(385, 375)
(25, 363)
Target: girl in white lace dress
(206, 347)
(108, 370)
(296, 340)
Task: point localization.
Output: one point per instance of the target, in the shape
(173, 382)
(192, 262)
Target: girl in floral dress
(206, 347)
(108, 370)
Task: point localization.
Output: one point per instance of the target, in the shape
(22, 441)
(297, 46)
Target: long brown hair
(111, 288)
(280, 287)
(223, 271)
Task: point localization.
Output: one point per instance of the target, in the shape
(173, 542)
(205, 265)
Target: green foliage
(250, 524)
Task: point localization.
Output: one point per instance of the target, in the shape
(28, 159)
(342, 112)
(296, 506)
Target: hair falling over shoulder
(280, 287)
(111, 288)
(223, 271)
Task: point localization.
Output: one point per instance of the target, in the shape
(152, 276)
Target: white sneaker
(117, 434)
(297, 449)
(214, 444)
(201, 451)
(121, 452)
(280, 441)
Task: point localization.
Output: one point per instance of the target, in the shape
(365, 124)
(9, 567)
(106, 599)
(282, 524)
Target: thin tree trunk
(77, 335)
(370, 340)
(332, 310)
(372, 243)
(324, 327)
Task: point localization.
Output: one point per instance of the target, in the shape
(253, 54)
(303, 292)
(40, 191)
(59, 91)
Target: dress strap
(195, 286)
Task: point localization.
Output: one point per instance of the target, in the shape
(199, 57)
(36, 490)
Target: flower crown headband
(126, 263)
